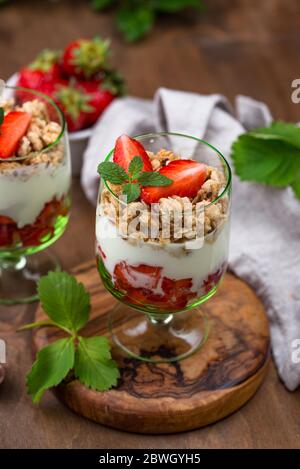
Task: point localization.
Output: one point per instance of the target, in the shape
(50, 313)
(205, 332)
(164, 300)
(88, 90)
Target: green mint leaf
(286, 132)
(154, 179)
(51, 366)
(136, 22)
(64, 300)
(135, 167)
(102, 4)
(269, 161)
(112, 172)
(132, 191)
(93, 364)
(1, 115)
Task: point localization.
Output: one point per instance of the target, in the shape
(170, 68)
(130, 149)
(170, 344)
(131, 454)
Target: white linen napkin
(265, 233)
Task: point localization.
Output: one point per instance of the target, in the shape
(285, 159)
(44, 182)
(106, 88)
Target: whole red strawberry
(85, 58)
(44, 69)
(75, 104)
(101, 92)
(99, 99)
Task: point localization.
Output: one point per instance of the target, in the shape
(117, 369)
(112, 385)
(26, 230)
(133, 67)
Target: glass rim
(50, 145)
(177, 134)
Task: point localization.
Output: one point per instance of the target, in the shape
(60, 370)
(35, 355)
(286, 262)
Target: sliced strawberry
(213, 279)
(125, 150)
(140, 282)
(178, 292)
(7, 229)
(102, 253)
(6, 220)
(187, 175)
(31, 235)
(6, 235)
(140, 276)
(14, 127)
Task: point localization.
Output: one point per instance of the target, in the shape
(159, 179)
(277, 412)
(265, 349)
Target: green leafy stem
(67, 305)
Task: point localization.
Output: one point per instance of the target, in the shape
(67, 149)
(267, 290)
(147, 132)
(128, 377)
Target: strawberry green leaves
(51, 366)
(67, 305)
(135, 18)
(270, 156)
(64, 300)
(93, 364)
(135, 178)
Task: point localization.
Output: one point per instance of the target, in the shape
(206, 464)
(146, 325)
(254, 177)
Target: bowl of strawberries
(81, 82)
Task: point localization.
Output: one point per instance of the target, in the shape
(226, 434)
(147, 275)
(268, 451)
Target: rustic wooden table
(238, 47)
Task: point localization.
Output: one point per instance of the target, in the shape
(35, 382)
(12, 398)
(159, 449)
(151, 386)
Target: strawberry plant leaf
(132, 191)
(269, 155)
(154, 179)
(65, 301)
(112, 172)
(135, 22)
(283, 131)
(102, 4)
(93, 364)
(135, 167)
(51, 366)
(296, 187)
(172, 6)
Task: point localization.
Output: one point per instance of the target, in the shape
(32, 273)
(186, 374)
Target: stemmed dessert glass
(160, 285)
(34, 206)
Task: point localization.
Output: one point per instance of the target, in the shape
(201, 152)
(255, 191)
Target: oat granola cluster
(41, 132)
(169, 211)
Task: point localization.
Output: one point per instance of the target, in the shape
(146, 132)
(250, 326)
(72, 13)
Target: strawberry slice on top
(187, 175)
(126, 149)
(13, 128)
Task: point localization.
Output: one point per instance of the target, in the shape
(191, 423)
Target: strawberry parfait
(162, 224)
(35, 177)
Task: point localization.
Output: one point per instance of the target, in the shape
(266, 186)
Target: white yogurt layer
(176, 262)
(25, 191)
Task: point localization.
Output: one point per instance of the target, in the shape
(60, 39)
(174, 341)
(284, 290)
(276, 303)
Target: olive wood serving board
(169, 398)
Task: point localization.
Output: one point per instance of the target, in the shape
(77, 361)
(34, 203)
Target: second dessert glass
(160, 285)
(34, 197)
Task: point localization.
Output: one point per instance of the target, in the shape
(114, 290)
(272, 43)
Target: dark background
(236, 47)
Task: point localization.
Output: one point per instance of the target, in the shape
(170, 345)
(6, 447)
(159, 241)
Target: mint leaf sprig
(132, 182)
(67, 304)
(269, 155)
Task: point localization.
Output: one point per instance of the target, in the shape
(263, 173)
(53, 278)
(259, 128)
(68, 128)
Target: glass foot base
(19, 276)
(158, 338)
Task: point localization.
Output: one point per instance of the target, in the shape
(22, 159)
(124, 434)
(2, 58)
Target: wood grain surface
(175, 397)
(238, 47)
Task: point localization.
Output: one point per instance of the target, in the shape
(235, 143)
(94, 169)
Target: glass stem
(12, 263)
(160, 318)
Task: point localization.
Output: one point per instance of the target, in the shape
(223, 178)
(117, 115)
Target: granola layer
(41, 133)
(198, 210)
